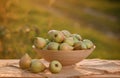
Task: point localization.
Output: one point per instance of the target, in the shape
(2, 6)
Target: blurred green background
(22, 20)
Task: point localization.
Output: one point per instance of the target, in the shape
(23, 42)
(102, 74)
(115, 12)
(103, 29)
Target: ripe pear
(47, 41)
(40, 42)
(53, 46)
(69, 41)
(65, 46)
(75, 39)
(37, 66)
(55, 66)
(80, 46)
(59, 37)
(77, 36)
(88, 43)
(66, 33)
(51, 34)
(56, 36)
(25, 61)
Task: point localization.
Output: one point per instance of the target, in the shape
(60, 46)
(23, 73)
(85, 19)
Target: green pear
(25, 61)
(40, 42)
(69, 41)
(37, 66)
(80, 46)
(55, 66)
(47, 41)
(66, 33)
(56, 36)
(88, 43)
(59, 37)
(75, 39)
(77, 36)
(53, 46)
(51, 34)
(65, 46)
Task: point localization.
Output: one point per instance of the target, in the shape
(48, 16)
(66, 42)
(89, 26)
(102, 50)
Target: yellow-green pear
(55, 66)
(88, 43)
(37, 66)
(80, 46)
(40, 42)
(25, 61)
(65, 46)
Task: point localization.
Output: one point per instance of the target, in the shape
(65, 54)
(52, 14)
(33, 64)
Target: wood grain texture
(88, 68)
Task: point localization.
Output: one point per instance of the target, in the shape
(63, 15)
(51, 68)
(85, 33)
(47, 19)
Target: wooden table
(88, 68)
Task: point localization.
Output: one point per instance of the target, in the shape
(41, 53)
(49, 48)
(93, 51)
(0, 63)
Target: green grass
(92, 13)
(28, 21)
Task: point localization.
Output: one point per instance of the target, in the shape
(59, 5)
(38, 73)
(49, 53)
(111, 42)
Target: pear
(66, 33)
(53, 46)
(55, 66)
(40, 42)
(51, 34)
(69, 41)
(88, 43)
(56, 36)
(37, 66)
(77, 36)
(65, 46)
(47, 41)
(59, 37)
(80, 46)
(25, 61)
(75, 39)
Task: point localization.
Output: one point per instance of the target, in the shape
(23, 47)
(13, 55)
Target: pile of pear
(62, 40)
(36, 66)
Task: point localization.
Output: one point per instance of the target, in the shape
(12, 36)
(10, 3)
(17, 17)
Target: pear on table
(37, 66)
(55, 66)
(25, 61)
